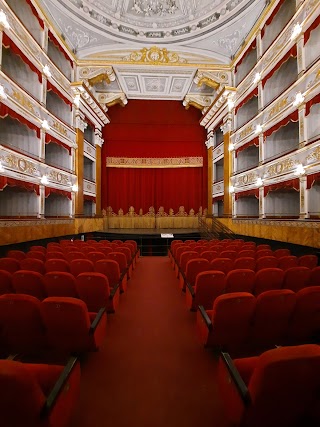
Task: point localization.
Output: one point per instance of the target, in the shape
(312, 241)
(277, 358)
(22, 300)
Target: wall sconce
(231, 147)
(258, 129)
(44, 180)
(4, 21)
(3, 95)
(299, 170)
(299, 99)
(257, 78)
(46, 71)
(45, 125)
(231, 189)
(259, 182)
(74, 188)
(296, 31)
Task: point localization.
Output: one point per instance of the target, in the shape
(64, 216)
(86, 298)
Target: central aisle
(151, 370)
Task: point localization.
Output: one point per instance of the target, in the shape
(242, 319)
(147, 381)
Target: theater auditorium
(159, 213)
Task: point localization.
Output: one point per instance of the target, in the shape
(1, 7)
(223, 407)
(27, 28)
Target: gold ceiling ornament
(154, 56)
(100, 78)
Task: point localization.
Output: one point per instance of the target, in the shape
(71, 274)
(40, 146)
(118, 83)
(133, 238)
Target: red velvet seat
(32, 264)
(38, 395)
(227, 325)
(70, 328)
(172, 251)
(109, 268)
(121, 259)
(277, 388)
(245, 253)
(222, 264)
(185, 257)
(18, 255)
(61, 265)
(296, 278)
(179, 252)
(55, 255)
(287, 262)
(263, 252)
(60, 284)
(209, 254)
(94, 290)
(315, 277)
(29, 283)
(78, 266)
(245, 262)
(95, 256)
(262, 247)
(271, 319)
(193, 268)
(36, 255)
(5, 282)
(266, 262)
(228, 254)
(9, 264)
(38, 248)
(21, 325)
(279, 253)
(268, 279)
(240, 280)
(310, 261)
(208, 286)
(70, 256)
(129, 258)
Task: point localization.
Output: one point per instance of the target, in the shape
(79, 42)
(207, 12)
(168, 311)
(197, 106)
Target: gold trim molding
(152, 162)
(154, 55)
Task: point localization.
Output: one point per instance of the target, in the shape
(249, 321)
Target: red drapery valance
(11, 182)
(252, 46)
(292, 183)
(9, 44)
(246, 99)
(254, 141)
(293, 117)
(273, 14)
(292, 52)
(312, 27)
(57, 92)
(89, 198)
(49, 190)
(50, 138)
(311, 179)
(217, 198)
(253, 192)
(6, 111)
(41, 23)
(313, 101)
(56, 43)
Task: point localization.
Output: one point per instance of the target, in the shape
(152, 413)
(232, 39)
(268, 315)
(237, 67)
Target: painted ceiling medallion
(154, 55)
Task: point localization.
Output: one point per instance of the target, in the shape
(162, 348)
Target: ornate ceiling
(156, 48)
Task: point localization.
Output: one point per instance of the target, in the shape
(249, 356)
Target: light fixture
(4, 21)
(154, 7)
(3, 95)
(299, 170)
(45, 125)
(44, 179)
(298, 100)
(258, 129)
(74, 188)
(46, 71)
(257, 78)
(296, 31)
(231, 147)
(259, 182)
(231, 189)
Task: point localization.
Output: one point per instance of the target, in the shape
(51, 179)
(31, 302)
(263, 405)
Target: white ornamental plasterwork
(230, 42)
(80, 123)
(88, 74)
(227, 126)
(111, 99)
(198, 101)
(212, 78)
(155, 84)
(209, 142)
(154, 55)
(98, 140)
(224, 94)
(18, 163)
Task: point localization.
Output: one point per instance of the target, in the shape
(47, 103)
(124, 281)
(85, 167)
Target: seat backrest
(310, 261)
(93, 289)
(271, 318)
(33, 264)
(209, 254)
(208, 286)
(315, 277)
(61, 265)
(279, 253)
(268, 279)
(95, 256)
(69, 256)
(38, 248)
(194, 267)
(282, 385)
(9, 264)
(245, 262)
(296, 278)
(266, 262)
(240, 280)
(125, 250)
(78, 266)
(262, 247)
(228, 254)
(263, 252)
(245, 253)
(29, 283)
(5, 282)
(120, 258)
(185, 257)
(18, 255)
(55, 255)
(109, 268)
(36, 255)
(60, 284)
(21, 323)
(222, 264)
(287, 262)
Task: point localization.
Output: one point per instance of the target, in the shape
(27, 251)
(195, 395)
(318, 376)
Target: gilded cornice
(198, 101)
(212, 78)
(223, 94)
(110, 99)
(82, 91)
(154, 56)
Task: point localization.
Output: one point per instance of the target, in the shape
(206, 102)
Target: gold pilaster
(98, 180)
(227, 207)
(210, 179)
(79, 172)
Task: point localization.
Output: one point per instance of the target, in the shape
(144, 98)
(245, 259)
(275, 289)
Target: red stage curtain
(49, 190)
(293, 117)
(294, 184)
(57, 92)
(254, 141)
(253, 192)
(313, 101)
(291, 52)
(55, 41)
(154, 129)
(36, 14)
(11, 182)
(246, 99)
(312, 27)
(247, 51)
(50, 138)
(9, 44)
(273, 14)
(312, 178)
(6, 111)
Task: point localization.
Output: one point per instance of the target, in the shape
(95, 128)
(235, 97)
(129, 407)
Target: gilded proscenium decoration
(23, 101)
(97, 75)
(279, 106)
(20, 164)
(198, 101)
(246, 179)
(281, 167)
(111, 99)
(154, 55)
(167, 162)
(211, 79)
(58, 177)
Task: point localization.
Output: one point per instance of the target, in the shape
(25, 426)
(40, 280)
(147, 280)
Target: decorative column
(261, 203)
(41, 201)
(260, 96)
(301, 55)
(261, 148)
(233, 205)
(43, 95)
(226, 129)
(80, 126)
(259, 45)
(98, 143)
(304, 205)
(302, 125)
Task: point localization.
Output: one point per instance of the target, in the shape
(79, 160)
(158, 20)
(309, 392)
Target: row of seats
(210, 284)
(241, 323)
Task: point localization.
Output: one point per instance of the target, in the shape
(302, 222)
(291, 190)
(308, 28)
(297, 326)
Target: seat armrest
(57, 388)
(96, 321)
(114, 289)
(191, 290)
(236, 378)
(205, 317)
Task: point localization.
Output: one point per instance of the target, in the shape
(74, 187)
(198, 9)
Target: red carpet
(151, 370)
